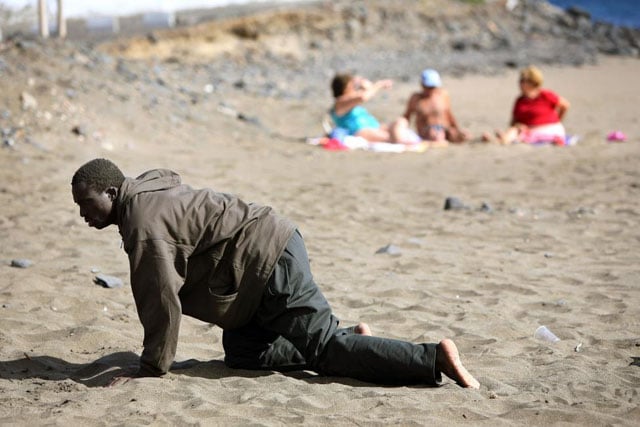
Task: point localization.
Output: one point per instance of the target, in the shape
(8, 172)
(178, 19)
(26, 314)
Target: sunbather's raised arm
(363, 90)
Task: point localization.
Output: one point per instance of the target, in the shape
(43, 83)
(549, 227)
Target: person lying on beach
(245, 268)
(350, 92)
(431, 107)
(537, 113)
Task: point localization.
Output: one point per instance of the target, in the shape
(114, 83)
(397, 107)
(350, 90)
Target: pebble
(518, 212)
(21, 263)
(107, 281)
(583, 211)
(390, 250)
(79, 130)
(28, 102)
(486, 207)
(454, 204)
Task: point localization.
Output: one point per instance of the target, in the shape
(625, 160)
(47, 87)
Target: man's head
(430, 79)
(95, 186)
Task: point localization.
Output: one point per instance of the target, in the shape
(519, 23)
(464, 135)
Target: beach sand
(560, 247)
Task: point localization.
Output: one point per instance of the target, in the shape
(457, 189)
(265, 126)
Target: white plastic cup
(543, 333)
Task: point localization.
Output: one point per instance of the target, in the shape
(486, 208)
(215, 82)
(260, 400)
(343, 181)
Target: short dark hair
(339, 84)
(99, 174)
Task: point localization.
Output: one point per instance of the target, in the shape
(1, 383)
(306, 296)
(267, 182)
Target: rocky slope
(186, 76)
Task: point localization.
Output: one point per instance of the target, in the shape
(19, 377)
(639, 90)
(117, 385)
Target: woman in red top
(537, 113)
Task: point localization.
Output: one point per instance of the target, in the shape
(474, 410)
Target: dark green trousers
(294, 329)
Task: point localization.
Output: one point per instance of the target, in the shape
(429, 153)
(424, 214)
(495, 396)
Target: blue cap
(431, 78)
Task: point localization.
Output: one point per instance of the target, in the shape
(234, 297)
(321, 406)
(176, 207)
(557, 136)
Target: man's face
(96, 208)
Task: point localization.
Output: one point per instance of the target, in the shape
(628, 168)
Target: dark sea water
(619, 12)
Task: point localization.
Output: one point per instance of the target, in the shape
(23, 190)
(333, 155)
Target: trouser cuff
(436, 375)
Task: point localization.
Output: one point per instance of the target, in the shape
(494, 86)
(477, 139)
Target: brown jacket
(197, 252)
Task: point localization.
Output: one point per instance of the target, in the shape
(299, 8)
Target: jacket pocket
(222, 299)
(222, 281)
(220, 303)
(222, 289)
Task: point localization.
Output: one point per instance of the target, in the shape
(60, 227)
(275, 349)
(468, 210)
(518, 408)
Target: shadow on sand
(100, 372)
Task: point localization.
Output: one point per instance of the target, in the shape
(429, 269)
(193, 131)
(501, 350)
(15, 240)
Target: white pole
(62, 23)
(43, 20)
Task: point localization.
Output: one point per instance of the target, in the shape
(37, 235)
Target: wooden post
(43, 19)
(62, 23)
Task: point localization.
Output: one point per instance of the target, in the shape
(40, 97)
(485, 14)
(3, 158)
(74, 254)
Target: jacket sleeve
(155, 284)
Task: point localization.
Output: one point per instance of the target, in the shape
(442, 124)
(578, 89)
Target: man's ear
(112, 193)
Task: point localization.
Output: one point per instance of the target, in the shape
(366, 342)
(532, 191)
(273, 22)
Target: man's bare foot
(362, 329)
(448, 362)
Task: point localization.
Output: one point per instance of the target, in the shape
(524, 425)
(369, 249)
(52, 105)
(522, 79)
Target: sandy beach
(559, 245)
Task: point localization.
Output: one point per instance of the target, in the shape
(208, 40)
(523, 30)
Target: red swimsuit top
(537, 111)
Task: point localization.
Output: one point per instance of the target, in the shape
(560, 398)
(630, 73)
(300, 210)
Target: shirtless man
(434, 120)
(243, 267)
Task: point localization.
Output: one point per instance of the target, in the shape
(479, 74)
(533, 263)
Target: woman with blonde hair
(537, 113)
